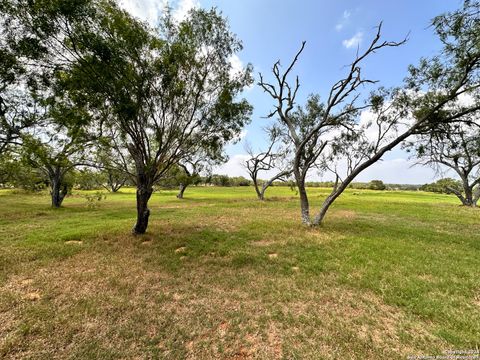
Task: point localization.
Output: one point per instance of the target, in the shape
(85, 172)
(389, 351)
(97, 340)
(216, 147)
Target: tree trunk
(143, 212)
(468, 195)
(476, 195)
(304, 205)
(269, 183)
(181, 191)
(336, 192)
(257, 188)
(58, 191)
(262, 192)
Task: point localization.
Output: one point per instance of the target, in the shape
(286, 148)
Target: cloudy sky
(273, 30)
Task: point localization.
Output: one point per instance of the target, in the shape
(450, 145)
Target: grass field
(221, 275)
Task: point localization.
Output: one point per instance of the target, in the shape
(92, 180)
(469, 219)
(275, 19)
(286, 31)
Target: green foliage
(177, 175)
(15, 173)
(376, 185)
(130, 66)
(86, 179)
(443, 186)
(225, 180)
(93, 199)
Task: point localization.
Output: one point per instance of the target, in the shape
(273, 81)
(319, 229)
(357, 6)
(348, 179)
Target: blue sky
(273, 30)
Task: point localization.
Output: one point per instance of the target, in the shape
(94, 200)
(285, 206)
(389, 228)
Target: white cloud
(354, 41)
(243, 134)
(235, 166)
(343, 21)
(180, 12)
(151, 10)
(147, 10)
(237, 65)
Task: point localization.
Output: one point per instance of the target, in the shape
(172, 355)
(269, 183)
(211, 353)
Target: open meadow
(220, 274)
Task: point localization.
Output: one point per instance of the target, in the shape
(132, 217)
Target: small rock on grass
(33, 296)
(77, 242)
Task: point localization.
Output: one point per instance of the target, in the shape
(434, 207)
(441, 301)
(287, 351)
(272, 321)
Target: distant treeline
(225, 180)
(93, 180)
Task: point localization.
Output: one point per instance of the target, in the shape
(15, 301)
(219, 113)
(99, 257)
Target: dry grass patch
(128, 309)
(343, 214)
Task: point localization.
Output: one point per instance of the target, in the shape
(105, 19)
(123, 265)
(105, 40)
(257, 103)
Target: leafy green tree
(455, 147)
(58, 146)
(17, 174)
(165, 90)
(219, 180)
(22, 71)
(114, 165)
(88, 179)
(376, 185)
(443, 186)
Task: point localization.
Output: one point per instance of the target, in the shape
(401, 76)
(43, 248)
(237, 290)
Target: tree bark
(58, 191)
(143, 212)
(257, 188)
(468, 195)
(113, 185)
(267, 184)
(181, 191)
(304, 205)
(476, 195)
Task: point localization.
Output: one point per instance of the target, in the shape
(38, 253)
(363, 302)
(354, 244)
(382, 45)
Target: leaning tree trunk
(268, 183)
(181, 191)
(326, 205)
(304, 205)
(58, 191)
(256, 185)
(144, 192)
(336, 192)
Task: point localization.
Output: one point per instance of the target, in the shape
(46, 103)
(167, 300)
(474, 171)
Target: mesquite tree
(188, 174)
(191, 168)
(308, 127)
(456, 147)
(114, 166)
(57, 146)
(167, 89)
(429, 99)
(275, 157)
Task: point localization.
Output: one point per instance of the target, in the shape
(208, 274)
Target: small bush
(94, 199)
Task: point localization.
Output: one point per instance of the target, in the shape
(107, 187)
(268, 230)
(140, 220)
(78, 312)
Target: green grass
(222, 275)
